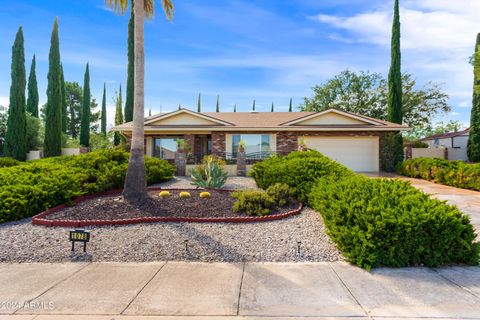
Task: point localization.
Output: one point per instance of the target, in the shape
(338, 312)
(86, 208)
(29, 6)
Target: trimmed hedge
(451, 173)
(8, 162)
(375, 222)
(388, 222)
(299, 170)
(32, 187)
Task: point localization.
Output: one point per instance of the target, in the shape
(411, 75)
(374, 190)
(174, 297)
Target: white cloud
(438, 36)
(4, 101)
(426, 25)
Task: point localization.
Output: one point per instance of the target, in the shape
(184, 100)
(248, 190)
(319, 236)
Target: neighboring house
(351, 139)
(454, 142)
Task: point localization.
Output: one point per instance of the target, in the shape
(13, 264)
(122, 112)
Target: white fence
(452, 153)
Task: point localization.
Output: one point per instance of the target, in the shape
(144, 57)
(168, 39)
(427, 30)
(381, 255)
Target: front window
(165, 148)
(256, 144)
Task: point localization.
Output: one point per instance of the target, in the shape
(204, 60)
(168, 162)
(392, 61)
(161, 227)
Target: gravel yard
(263, 241)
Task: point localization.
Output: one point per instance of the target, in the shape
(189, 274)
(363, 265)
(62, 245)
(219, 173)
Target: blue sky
(268, 50)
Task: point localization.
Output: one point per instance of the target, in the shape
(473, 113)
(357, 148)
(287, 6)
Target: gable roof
(264, 121)
(353, 116)
(163, 116)
(447, 135)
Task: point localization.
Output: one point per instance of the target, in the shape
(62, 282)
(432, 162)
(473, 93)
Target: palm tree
(135, 188)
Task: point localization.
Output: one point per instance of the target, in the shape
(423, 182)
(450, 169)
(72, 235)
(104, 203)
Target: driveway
(467, 201)
(186, 290)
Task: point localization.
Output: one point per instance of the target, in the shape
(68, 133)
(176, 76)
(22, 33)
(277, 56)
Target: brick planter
(39, 219)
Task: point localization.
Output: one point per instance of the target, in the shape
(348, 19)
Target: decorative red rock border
(39, 219)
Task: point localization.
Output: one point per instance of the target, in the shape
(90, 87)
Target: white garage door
(357, 153)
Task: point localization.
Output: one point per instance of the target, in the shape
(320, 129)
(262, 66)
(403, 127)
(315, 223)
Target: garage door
(357, 153)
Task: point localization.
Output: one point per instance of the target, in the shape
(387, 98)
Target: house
(448, 140)
(454, 142)
(351, 139)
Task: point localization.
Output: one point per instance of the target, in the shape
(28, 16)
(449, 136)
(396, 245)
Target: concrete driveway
(467, 201)
(186, 290)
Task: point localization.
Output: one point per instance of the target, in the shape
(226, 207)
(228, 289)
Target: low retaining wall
(39, 219)
(428, 153)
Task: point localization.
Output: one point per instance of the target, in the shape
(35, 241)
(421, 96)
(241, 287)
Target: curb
(39, 219)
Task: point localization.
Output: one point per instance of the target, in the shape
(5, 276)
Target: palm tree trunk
(135, 189)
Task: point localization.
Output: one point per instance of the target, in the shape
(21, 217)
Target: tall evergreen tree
(64, 101)
(272, 109)
(53, 113)
(218, 104)
(117, 137)
(130, 68)
(253, 108)
(199, 103)
(85, 122)
(32, 101)
(16, 137)
(235, 108)
(473, 145)
(290, 109)
(103, 117)
(150, 112)
(395, 112)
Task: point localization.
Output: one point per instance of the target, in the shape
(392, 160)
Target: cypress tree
(53, 114)
(199, 103)
(64, 101)
(395, 113)
(150, 112)
(218, 103)
(85, 120)
(290, 107)
(104, 111)
(235, 108)
(271, 110)
(32, 101)
(130, 68)
(16, 137)
(117, 137)
(179, 106)
(253, 109)
(473, 145)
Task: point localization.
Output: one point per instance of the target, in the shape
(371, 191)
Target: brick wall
(218, 143)
(287, 141)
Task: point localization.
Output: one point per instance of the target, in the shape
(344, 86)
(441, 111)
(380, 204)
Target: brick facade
(218, 143)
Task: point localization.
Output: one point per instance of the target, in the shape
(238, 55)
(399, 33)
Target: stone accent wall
(287, 141)
(190, 141)
(241, 164)
(218, 143)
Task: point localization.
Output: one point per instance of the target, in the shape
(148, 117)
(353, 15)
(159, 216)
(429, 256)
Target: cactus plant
(164, 194)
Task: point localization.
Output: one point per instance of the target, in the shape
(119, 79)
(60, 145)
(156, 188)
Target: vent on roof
(253, 111)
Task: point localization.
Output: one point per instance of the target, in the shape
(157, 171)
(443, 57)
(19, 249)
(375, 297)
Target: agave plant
(209, 175)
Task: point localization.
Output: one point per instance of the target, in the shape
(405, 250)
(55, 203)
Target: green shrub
(385, 222)
(252, 202)
(281, 193)
(8, 162)
(209, 174)
(35, 186)
(452, 173)
(299, 170)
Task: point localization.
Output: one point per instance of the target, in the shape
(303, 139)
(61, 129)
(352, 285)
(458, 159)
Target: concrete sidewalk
(186, 290)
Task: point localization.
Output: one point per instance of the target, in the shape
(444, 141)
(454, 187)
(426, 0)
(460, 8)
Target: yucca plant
(209, 175)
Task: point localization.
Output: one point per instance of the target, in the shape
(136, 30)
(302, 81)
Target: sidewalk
(186, 290)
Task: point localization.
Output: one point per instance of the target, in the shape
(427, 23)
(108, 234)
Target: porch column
(241, 165)
(181, 162)
(149, 146)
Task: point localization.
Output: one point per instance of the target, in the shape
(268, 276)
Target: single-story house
(455, 144)
(351, 139)
(456, 139)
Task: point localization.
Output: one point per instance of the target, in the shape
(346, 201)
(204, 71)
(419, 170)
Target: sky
(267, 50)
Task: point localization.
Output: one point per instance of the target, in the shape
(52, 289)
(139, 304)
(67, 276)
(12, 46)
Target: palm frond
(118, 5)
(168, 8)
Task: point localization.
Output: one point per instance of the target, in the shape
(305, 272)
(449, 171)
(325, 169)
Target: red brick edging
(39, 219)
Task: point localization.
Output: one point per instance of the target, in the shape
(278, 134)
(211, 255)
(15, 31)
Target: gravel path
(264, 241)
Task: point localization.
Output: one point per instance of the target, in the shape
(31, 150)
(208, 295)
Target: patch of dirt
(113, 207)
